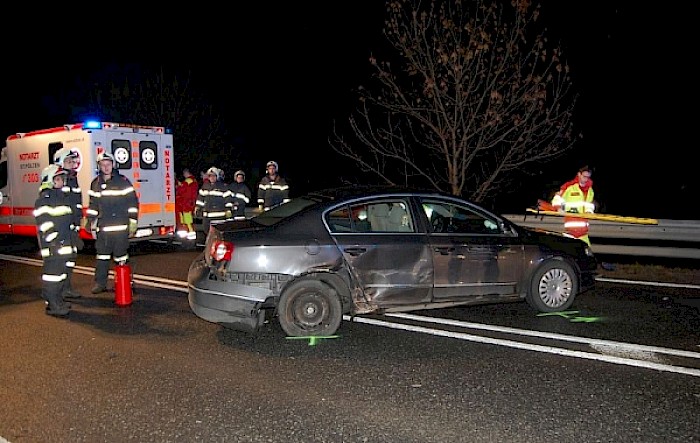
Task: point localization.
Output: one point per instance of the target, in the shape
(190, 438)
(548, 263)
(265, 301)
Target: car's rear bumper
(231, 305)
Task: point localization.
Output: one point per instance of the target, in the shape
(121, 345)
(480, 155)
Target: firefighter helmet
(62, 154)
(216, 172)
(239, 172)
(272, 163)
(106, 156)
(48, 174)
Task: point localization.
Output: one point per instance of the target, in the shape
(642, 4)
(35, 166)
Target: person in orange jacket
(186, 192)
(576, 197)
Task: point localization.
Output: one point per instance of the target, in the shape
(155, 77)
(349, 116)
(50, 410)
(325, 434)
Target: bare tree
(133, 94)
(478, 97)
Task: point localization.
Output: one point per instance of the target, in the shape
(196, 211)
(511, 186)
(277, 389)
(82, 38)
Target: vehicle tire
(553, 287)
(309, 307)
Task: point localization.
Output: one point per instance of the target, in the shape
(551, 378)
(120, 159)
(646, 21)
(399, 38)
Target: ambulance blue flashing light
(92, 124)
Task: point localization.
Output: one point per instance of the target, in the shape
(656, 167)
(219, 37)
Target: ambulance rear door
(145, 157)
(5, 208)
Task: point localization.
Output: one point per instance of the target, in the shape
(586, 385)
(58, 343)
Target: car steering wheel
(438, 223)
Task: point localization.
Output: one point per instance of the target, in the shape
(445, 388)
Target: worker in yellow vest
(576, 197)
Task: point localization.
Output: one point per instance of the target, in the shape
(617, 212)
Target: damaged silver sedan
(360, 251)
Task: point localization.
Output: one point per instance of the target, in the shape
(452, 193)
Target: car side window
(385, 216)
(339, 220)
(390, 216)
(348, 219)
(451, 218)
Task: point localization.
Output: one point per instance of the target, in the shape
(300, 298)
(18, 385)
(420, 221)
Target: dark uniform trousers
(54, 274)
(110, 245)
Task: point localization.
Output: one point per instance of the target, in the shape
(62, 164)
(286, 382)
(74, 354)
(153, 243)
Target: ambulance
(144, 154)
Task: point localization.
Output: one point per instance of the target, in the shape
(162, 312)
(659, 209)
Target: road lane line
(561, 337)
(529, 347)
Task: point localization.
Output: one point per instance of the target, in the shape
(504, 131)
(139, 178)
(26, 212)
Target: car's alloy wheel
(309, 308)
(554, 286)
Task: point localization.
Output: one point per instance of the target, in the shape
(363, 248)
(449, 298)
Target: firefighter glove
(133, 225)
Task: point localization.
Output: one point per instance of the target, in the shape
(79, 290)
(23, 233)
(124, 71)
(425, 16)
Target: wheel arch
(528, 276)
(542, 266)
(333, 281)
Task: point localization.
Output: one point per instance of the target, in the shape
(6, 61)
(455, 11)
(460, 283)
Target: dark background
(282, 73)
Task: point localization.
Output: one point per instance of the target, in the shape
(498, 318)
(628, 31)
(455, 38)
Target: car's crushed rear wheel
(553, 287)
(309, 308)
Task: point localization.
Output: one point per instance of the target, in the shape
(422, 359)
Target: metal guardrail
(668, 239)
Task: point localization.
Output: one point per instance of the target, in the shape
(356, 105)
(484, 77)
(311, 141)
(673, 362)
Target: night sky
(281, 74)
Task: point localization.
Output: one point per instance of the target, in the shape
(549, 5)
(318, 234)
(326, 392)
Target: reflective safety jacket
(113, 203)
(54, 221)
(572, 198)
(241, 195)
(272, 191)
(214, 200)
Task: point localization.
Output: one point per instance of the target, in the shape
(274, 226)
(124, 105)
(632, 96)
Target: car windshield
(280, 212)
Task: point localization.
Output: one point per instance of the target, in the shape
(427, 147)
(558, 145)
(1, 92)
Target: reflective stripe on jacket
(113, 203)
(54, 221)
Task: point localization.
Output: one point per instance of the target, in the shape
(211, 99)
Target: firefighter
(68, 159)
(576, 197)
(186, 193)
(54, 220)
(113, 216)
(214, 202)
(241, 195)
(273, 189)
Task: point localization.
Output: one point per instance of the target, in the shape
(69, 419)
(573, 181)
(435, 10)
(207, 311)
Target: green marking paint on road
(313, 339)
(586, 319)
(564, 314)
(571, 316)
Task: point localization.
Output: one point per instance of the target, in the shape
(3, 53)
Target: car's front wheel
(553, 287)
(309, 308)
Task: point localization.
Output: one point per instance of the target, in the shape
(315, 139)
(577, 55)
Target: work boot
(97, 289)
(72, 294)
(61, 310)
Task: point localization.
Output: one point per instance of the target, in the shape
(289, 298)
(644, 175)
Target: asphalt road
(623, 365)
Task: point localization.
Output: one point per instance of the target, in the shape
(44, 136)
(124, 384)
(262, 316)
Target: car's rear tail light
(221, 250)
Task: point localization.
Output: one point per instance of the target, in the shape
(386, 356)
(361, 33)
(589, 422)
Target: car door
(472, 254)
(390, 260)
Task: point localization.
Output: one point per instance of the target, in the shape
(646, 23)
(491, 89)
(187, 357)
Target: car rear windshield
(280, 212)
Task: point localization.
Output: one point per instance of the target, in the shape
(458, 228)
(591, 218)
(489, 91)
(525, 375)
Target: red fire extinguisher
(122, 285)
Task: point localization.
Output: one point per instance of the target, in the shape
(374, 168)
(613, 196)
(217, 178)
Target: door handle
(355, 251)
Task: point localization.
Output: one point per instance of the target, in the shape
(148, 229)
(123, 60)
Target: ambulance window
(53, 147)
(121, 150)
(3, 174)
(149, 155)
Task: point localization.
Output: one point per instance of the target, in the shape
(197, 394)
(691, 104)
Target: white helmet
(48, 174)
(272, 163)
(106, 156)
(62, 154)
(239, 172)
(215, 172)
